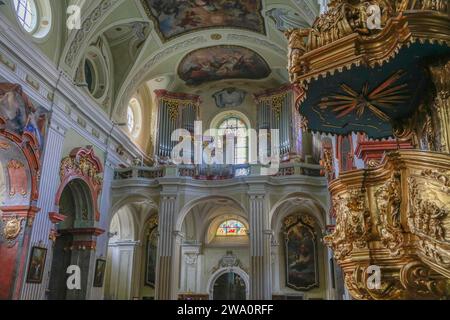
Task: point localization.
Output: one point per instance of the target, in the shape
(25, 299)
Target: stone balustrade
(216, 172)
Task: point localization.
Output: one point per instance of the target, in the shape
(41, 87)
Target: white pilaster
(190, 268)
(48, 187)
(260, 243)
(166, 244)
(105, 219)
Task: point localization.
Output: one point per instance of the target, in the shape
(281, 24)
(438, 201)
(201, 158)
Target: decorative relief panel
(396, 217)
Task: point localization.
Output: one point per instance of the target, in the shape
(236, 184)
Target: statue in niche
(229, 98)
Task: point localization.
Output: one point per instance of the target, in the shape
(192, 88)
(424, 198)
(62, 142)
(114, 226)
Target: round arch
(73, 53)
(82, 164)
(215, 122)
(216, 275)
(190, 205)
(124, 223)
(275, 217)
(129, 199)
(80, 193)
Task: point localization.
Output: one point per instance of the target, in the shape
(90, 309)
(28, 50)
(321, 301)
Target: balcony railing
(216, 172)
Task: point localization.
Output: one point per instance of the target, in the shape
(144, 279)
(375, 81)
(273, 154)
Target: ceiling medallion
(384, 96)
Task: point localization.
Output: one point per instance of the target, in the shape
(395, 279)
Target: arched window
(231, 228)
(26, 12)
(236, 127)
(130, 119)
(134, 117)
(34, 16)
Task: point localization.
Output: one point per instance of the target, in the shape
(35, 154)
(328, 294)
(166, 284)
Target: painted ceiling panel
(220, 63)
(174, 18)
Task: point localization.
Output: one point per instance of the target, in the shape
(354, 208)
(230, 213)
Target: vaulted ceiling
(179, 45)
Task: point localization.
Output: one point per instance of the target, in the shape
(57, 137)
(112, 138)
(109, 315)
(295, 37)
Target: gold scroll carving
(395, 217)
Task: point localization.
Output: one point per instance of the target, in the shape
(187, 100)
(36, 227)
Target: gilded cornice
(333, 46)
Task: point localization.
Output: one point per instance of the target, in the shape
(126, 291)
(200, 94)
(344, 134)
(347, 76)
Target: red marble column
(17, 223)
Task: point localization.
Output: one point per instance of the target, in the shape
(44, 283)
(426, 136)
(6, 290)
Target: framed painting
(100, 266)
(36, 265)
(150, 266)
(302, 272)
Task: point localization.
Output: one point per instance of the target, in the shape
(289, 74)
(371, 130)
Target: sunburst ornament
(385, 96)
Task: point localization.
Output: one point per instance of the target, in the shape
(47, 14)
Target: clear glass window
(26, 12)
(237, 128)
(130, 119)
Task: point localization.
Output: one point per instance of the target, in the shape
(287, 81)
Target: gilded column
(166, 245)
(48, 187)
(260, 243)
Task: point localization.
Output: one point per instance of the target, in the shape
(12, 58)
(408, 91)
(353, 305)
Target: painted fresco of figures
(221, 63)
(19, 113)
(301, 255)
(177, 17)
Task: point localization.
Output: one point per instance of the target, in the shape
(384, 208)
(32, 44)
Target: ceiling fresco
(177, 17)
(220, 63)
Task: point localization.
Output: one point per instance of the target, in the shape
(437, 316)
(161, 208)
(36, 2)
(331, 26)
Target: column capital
(257, 196)
(59, 122)
(167, 197)
(58, 126)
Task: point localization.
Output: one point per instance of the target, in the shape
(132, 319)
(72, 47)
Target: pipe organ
(175, 111)
(276, 110)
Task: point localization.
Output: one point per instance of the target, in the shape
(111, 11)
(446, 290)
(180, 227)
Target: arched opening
(229, 286)
(120, 259)
(73, 245)
(214, 240)
(150, 257)
(299, 257)
(131, 259)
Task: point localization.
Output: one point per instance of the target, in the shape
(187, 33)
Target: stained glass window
(231, 228)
